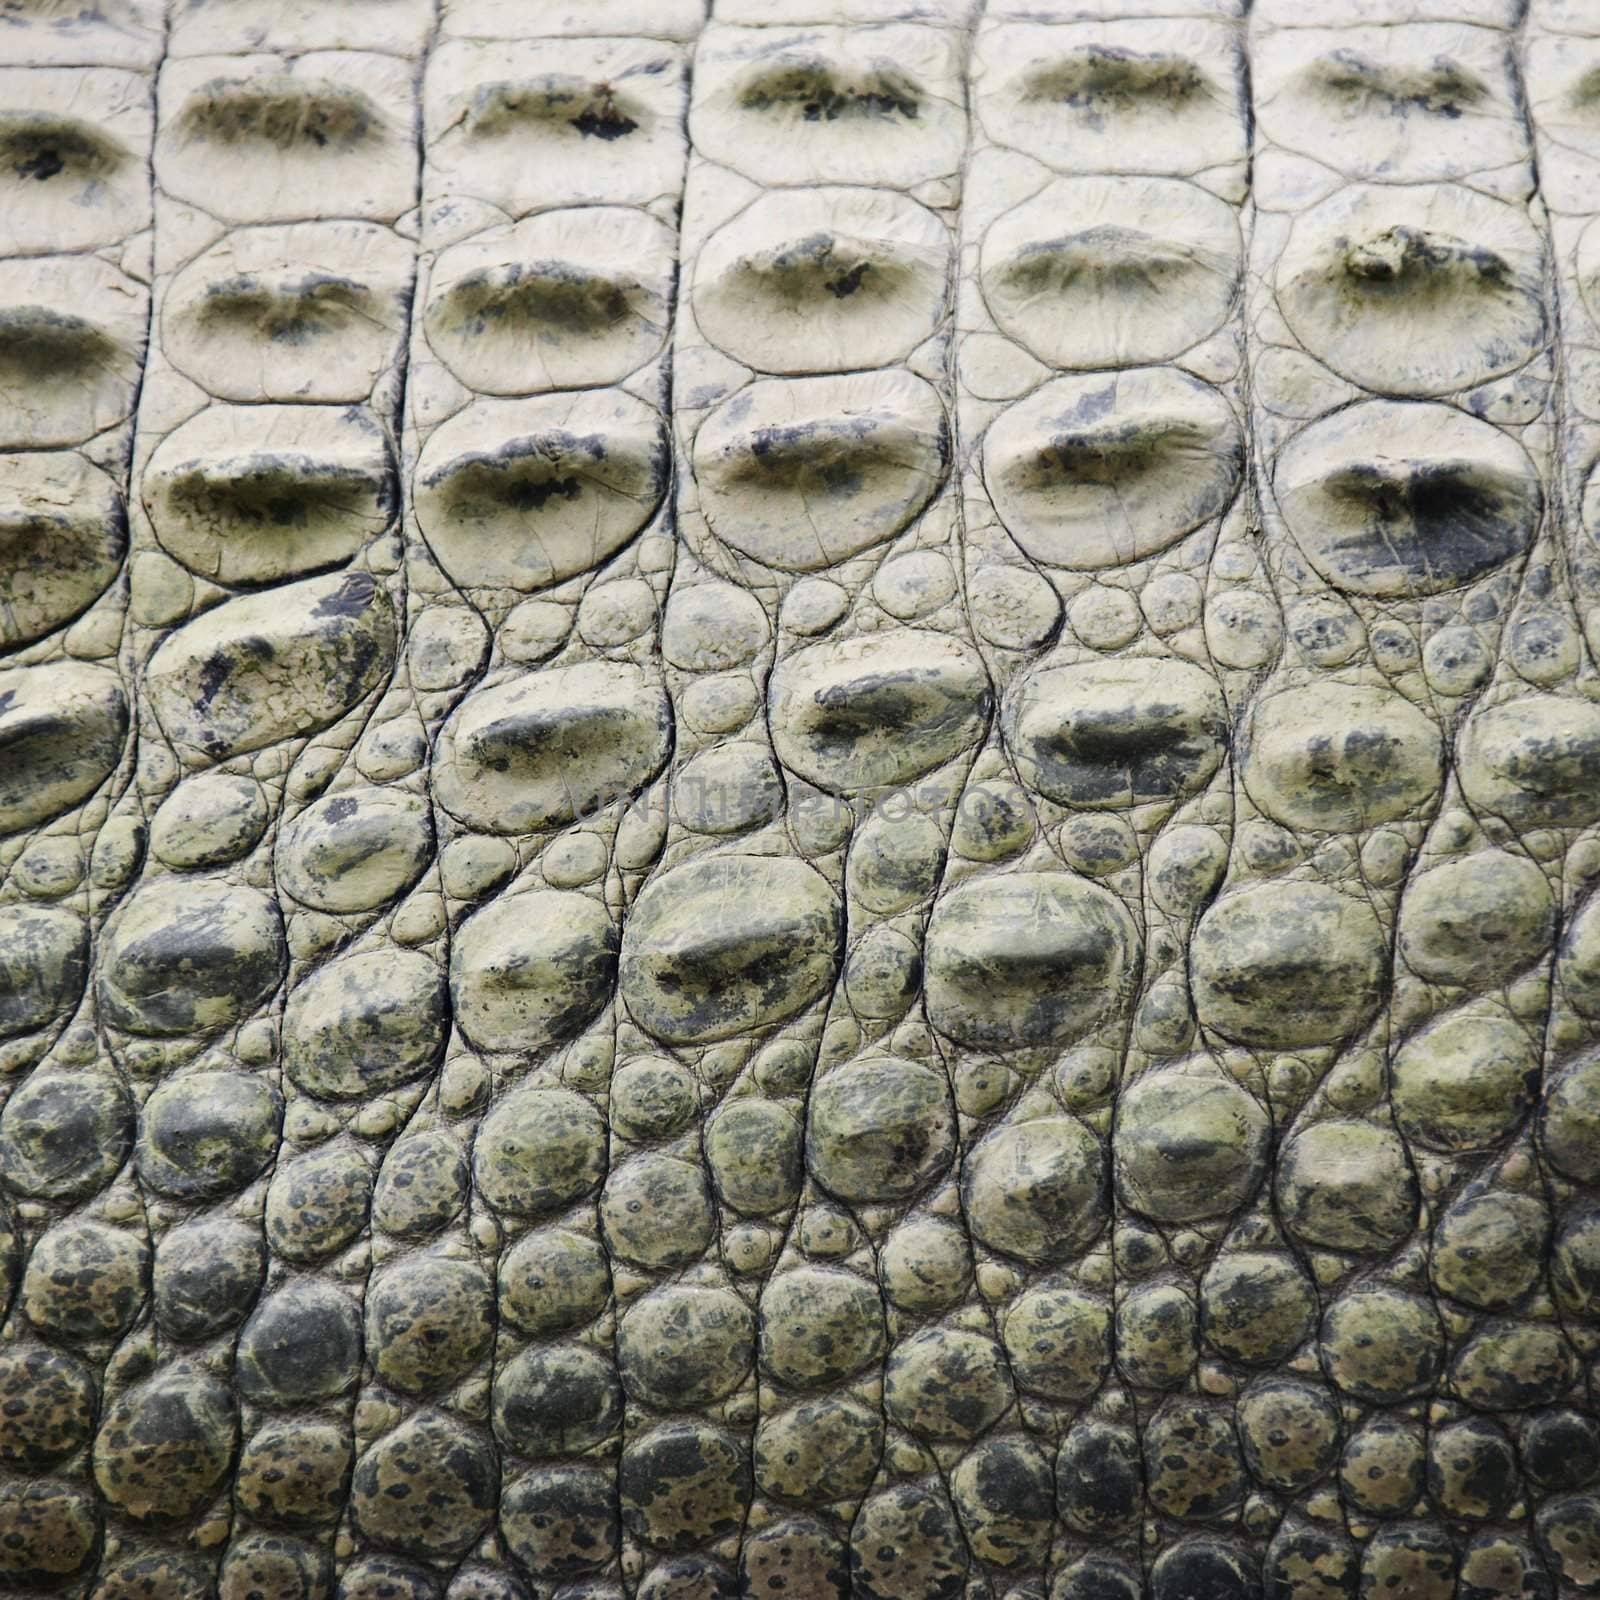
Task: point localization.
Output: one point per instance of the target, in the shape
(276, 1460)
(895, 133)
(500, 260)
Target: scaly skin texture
(799, 800)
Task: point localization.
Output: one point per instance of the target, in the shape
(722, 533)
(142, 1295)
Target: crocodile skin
(799, 803)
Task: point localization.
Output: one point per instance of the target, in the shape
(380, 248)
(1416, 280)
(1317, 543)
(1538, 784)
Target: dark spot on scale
(44, 164)
(350, 599)
(847, 284)
(607, 123)
(535, 496)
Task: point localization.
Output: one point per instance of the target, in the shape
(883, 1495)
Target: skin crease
(799, 798)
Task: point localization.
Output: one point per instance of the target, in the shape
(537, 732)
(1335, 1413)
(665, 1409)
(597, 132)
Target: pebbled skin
(801, 802)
